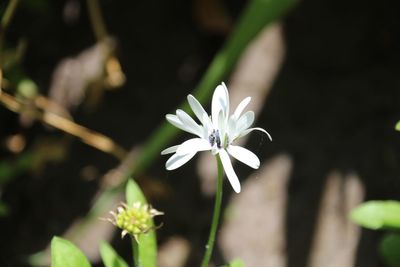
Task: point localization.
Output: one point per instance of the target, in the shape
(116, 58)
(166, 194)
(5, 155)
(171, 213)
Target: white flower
(217, 133)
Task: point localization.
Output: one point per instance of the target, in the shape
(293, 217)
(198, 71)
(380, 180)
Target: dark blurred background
(333, 105)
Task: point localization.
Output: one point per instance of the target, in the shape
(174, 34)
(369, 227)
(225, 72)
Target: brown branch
(92, 138)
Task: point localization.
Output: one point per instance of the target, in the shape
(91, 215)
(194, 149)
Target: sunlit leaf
(110, 257)
(236, 263)
(377, 214)
(397, 126)
(390, 249)
(147, 242)
(66, 254)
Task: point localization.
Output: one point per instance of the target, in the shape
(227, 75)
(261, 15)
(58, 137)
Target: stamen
(211, 138)
(214, 138)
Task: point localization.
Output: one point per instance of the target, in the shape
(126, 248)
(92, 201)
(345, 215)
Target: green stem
(215, 219)
(135, 252)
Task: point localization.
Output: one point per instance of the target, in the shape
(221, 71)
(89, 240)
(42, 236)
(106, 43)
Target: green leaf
(377, 214)
(147, 246)
(236, 263)
(390, 249)
(397, 126)
(110, 257)
(133, 193)
(66, 254)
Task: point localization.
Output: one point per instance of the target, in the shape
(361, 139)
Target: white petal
(222, 128)
(230, 173)
(226, 100)
(207, 123)
(244, 121)
(175, 161)
(214, 150)
(193, 145)
(169, 150)
(220, 101)
(197, 108)
(174, 120)
(245, 132)
(242, 105)
(244, 155)
(231, 127)
(187, 121)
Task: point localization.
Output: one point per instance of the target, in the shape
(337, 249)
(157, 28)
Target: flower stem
(215, 219)
(135, 252)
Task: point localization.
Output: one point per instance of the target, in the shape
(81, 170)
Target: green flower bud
(134, 220)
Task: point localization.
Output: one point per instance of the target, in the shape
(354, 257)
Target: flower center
(214, 138)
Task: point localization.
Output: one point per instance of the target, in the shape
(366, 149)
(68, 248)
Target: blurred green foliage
(378, 214)
(66, 254)
(390, 249)
(110, 257)
(13, 168)
(382, 215)
(397, 127)
(236, 263)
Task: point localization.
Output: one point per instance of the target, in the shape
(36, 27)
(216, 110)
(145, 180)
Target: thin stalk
(135, 252)
(8, 15)
(1, 80)
(215, 219)
(96, 19)
(5, 21)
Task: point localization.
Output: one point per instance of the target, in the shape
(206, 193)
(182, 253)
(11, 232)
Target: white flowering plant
(216, 133)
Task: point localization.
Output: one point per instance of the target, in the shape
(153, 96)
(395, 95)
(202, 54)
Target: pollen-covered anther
(135, 219)
(215, 139)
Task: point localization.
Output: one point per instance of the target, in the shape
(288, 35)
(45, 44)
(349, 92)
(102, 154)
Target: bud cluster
(135, 219)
